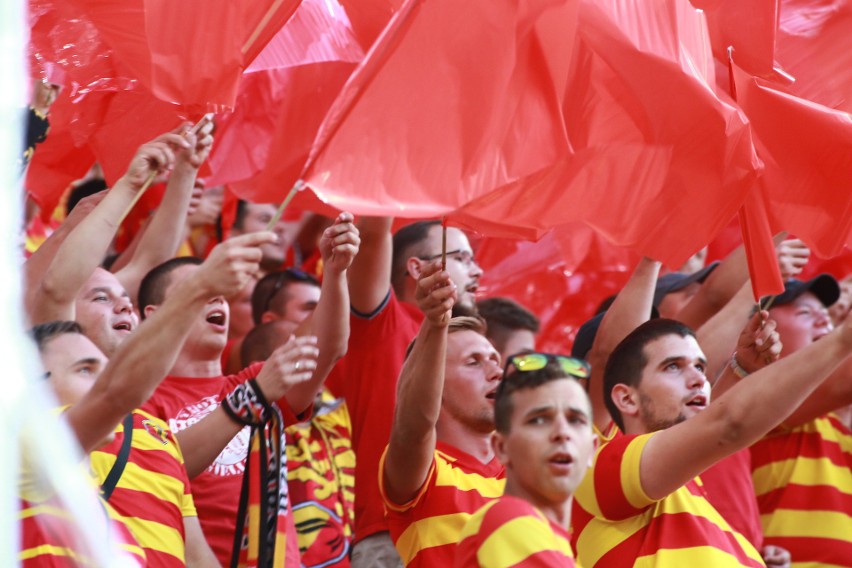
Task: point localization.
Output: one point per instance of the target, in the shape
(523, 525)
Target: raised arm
(84, 248)
(162, 236)
(36, 265)
(421, 385)
(630, 309)
(145, 358)
(741, 416)
(370, 275)
(290, 365)
(719, 334)
(330, 320)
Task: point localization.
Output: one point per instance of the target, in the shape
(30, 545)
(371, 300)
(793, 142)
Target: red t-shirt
(183, 401)
(367, 378)
(728, 487)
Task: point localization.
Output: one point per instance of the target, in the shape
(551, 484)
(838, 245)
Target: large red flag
(454, 100)
(284, 97)
(808, 164)
(750, 28)
(661, 163)
(815, 46)
(199, 68)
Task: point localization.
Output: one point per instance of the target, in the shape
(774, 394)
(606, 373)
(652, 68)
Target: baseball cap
(823, 286)
(674, 281)
(589, 330)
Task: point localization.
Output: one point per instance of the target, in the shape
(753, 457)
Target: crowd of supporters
(328, 392)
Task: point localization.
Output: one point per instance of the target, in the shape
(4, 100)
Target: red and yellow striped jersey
(511, 533)
(427, 529)
(49, 539)
(153, 493)
(615, 523)
(803, 480)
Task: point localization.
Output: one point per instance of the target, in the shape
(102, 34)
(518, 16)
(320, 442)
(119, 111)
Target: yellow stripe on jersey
(818, 524)
(48, 550)
(807, 472)
(695, 556)
(431, 531)
(499, 552)
(462, 481)
(157, 536)
(631, 483)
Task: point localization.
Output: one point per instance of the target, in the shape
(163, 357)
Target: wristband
(247, 405)
(735, 367)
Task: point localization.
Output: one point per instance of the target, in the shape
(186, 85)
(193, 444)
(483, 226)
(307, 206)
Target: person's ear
(414, 266)
(626, 399)
(149, 310)
(498, 444)
(267, 317)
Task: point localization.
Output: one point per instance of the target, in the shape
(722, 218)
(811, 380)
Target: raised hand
(793, 255)
(759, 344)
(200, 142)
(157, 156)
(340, 243)
(435, 294)
(291, 364)
(232, 264)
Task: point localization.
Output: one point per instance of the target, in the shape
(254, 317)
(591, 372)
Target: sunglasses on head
(288, 274)
(533, 361)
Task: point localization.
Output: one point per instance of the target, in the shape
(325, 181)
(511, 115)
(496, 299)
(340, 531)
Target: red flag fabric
(749, 27)
(283, 99)
(418, 131)
(764, 273)
(815, 46)
(370, 17)
(808, 154)
(198, 70)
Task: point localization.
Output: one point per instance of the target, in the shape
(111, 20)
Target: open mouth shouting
(217, 319)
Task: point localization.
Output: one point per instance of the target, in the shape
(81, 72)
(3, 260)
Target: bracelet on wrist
(736, 368)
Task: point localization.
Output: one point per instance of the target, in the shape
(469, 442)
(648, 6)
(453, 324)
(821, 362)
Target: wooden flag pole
(150, 179)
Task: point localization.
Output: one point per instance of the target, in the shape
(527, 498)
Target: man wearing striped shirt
(545, 439)
(802, 470)
(642, 502)
(439, 467)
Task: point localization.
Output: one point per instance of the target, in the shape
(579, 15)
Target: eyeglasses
(523, 362)
(285, 276)
(464, 256)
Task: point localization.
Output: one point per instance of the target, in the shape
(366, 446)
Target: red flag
(199, 70)
(815, 46)
(749, 27)
(762, 258)
(417, 131)
(808, 155)
(283, 99)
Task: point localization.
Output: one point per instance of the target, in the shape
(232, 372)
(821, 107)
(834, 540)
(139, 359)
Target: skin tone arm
(629, 310)
(757, 346)
(316, 354)
(833, 394)
(82, 250)
(739, 418)
(719, 334)
(36, 266)
(162, 236)
(198, 553)
(206, 439)
(329, 322)
(370, 274)
(421, 385)
(132, 374)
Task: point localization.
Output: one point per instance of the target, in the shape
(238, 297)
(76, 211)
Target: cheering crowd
(328, 392)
